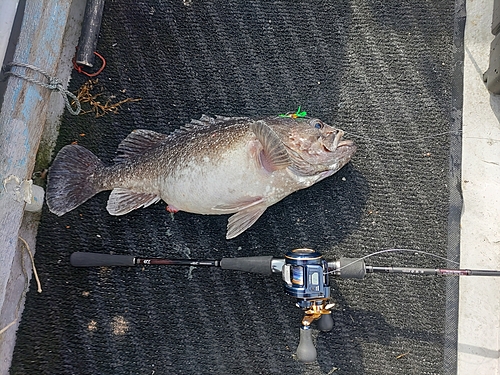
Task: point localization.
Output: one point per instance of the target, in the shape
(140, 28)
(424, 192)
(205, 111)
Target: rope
(79, 69)
(53, 84)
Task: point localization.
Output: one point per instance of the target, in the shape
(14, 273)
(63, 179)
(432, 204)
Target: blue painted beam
(22, 118)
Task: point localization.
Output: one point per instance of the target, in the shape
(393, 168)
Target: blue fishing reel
(305, 274)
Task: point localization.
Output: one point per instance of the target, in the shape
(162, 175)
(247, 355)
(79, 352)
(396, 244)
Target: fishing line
(455, 132)
(393, 251)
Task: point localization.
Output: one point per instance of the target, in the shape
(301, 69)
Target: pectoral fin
(122, 201)
(244, 219)
(239, 205)
(274, 155)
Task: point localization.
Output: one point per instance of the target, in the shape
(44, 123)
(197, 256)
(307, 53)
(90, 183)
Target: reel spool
(305, 274)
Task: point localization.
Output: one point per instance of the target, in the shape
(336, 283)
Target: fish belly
(222, 186)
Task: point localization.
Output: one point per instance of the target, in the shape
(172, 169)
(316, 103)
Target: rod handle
(352, 268)
(81, 259)
(258, 264)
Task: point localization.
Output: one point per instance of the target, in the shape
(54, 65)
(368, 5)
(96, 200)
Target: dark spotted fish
(210, 166)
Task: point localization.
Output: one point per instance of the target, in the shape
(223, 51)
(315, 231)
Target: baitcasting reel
(304, 271)
(305, 274)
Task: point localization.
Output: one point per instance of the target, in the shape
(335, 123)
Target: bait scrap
(86, 94)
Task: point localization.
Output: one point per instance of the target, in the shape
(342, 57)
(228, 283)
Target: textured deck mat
(382, 70)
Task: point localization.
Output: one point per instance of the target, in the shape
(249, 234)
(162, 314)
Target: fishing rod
(305, 274)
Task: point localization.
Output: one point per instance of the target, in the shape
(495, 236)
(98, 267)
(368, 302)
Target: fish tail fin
(69, 181)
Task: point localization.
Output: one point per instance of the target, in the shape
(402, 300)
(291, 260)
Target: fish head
(315, 147)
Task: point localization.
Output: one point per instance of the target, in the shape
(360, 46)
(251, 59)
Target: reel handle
(306, 351)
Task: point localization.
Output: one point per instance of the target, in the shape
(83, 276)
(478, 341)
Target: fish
(211, 166)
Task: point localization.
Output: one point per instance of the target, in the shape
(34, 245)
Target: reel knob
(325, 322)
(306, 351)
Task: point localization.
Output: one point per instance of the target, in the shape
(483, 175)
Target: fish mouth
(338, 144)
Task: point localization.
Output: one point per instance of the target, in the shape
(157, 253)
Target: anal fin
(244, 219)
(121, 201)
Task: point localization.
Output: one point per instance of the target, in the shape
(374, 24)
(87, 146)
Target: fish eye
(318, 125)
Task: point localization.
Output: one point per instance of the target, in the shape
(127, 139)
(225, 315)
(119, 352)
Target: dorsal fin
(137, 142)
(206, 122)
(274, 156)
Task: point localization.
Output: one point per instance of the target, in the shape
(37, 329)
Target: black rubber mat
(380, 70)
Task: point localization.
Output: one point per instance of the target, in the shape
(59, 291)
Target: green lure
(297, 114)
